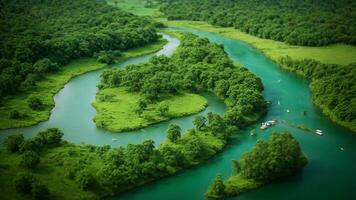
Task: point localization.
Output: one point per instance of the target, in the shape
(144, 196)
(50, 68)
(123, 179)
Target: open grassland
(52, 83)
(332, 54)
(116, 109)
(134, 6)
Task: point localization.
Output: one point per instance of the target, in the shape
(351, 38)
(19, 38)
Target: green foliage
(197, 65)
(300, 22)
(13, 143)
(29, 160)
(50, 34)
(199, 122)
(163, 109)
(40, 191)
(333, 87)
(35, 103)
(50, 138)
(85, 179)
(217, 189)
(14, 114)
(23, 183)
(173, 132)
(278, 157)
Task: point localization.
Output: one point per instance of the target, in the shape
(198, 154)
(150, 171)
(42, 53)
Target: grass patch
(333, 54)
(52, 83)
(236, 185)
(116, 109)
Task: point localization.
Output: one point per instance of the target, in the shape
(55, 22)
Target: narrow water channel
(329, 174)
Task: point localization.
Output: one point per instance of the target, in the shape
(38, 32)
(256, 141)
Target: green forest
(333, 88)
(177, 99)
(196, 66)
(268, 161)
(41, 36)
(296, 22)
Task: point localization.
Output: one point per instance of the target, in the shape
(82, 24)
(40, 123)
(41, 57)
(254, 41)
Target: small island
(268, 161)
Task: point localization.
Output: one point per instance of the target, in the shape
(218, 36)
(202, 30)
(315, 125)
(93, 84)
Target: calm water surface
(329, 174)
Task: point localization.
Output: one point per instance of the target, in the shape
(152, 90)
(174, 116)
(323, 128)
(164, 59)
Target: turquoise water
(329, 174)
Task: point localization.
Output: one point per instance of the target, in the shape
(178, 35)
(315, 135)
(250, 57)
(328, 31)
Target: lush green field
(48, 172)
(116, 109)
(52, 83)
(134, 6)
(332, 54)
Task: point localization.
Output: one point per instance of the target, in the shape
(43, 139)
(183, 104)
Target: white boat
(267, 124)
(114, 139)
(341, 148)
(287, 110)
(319, 132)
(279, 103)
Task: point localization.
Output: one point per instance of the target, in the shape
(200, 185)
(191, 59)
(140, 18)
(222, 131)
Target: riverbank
(51, 84)
(116, 109)
(333, 54)
(338, 55)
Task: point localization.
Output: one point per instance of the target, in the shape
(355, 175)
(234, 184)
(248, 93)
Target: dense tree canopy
(197, 65)
(38, 37)
(269, 160)
(301, 22)
(333, 87)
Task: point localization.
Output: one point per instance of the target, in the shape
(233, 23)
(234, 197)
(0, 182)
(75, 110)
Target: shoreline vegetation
(336, 59)
(66, 170)
(116, 109)
(53, 83)
(268, 161)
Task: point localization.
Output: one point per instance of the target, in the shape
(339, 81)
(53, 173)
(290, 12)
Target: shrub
(30, 160)
(13, 143)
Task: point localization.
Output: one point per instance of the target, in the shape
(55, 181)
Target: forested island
(268, 161)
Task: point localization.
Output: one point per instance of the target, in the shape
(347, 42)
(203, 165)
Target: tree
(29, 159)
(278, 157)
(163, 109)
(45, 65)
(40, 191)
(35, 103)
(236, 166)
(51, 137)
(173, 132)
(85, 179)
(23, 183)
(199, 122)
(141, 106)
(13, 143)
(14, 114)
(217, 189)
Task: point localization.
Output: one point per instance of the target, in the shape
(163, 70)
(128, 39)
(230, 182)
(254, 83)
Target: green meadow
(116, 109)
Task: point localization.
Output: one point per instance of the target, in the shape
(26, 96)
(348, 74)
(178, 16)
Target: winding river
(329, 174)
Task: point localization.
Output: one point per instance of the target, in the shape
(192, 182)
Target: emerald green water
(329, 174)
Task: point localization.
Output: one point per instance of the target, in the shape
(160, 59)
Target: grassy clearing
(52, 83)
(116, 109)
(236, 185)
(134, 6)
(332, 54)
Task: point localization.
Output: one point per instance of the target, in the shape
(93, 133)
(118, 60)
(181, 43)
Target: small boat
(279, 81)
(287, 110)
(114, 139)
(319, 132)
(279, 103)
(267, 124)
(341, 148)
